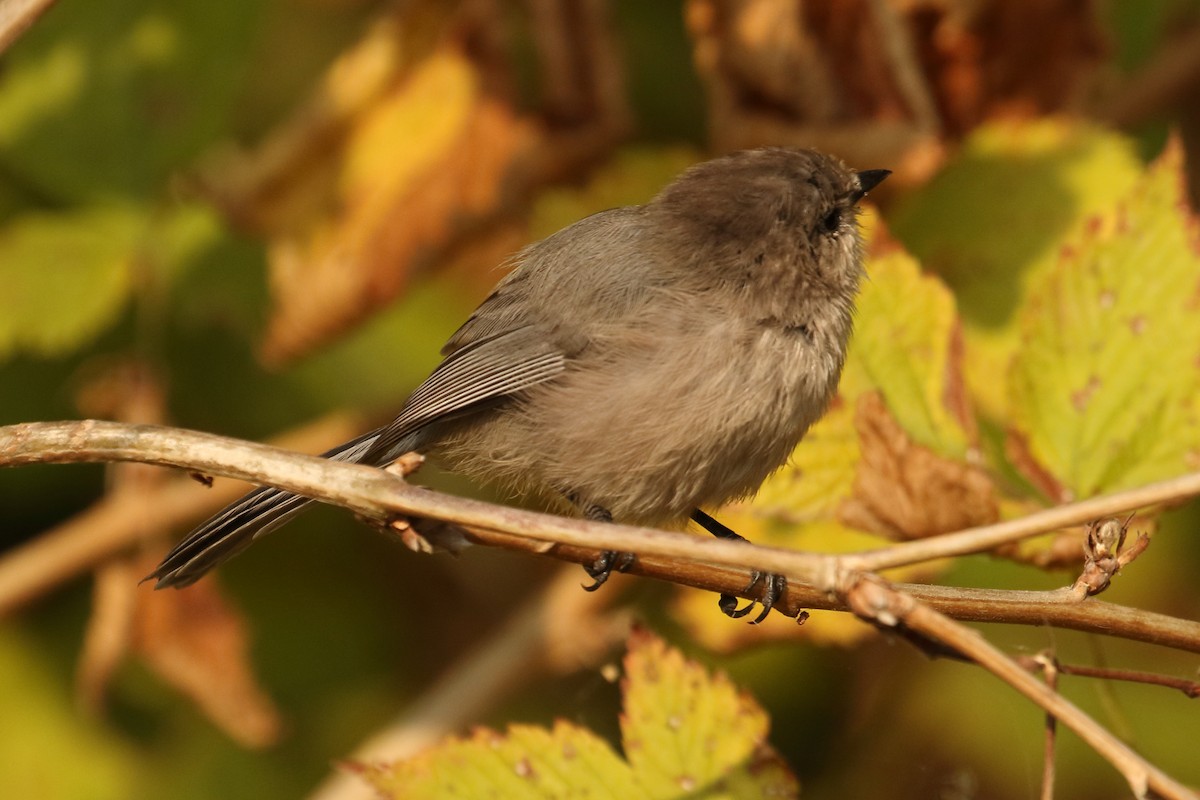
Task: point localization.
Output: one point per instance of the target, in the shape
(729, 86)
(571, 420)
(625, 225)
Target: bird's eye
(832, 221)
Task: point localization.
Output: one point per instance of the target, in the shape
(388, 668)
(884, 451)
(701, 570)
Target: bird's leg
(774, 586)
(602, 567)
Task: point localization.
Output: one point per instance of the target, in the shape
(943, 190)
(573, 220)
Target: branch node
(405, 465)
(1103, 557)
(872, 600)
(409, 536)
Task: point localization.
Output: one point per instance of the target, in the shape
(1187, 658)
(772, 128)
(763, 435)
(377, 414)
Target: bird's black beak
(868, 179)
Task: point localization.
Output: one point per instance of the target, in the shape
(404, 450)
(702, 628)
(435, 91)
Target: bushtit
(640, 364)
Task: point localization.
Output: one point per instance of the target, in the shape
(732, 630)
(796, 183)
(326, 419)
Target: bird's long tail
(234, 528)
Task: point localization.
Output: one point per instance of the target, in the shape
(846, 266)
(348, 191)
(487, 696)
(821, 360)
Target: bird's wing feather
(486, 369)
(599, 262)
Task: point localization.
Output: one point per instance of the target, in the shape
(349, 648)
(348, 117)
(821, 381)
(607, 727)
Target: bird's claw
(774, 587)
(603, 566)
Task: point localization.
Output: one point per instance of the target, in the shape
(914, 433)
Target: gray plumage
(646, 360)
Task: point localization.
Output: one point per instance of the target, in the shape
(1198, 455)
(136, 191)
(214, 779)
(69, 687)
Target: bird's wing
(486, 369)
(562, 282)
(508, 308)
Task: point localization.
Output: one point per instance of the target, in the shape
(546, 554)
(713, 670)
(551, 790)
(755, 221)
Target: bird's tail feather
(234, 528)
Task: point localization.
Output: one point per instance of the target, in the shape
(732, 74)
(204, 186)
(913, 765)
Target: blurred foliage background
(263, 218)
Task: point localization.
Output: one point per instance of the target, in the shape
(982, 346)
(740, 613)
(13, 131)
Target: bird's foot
(774, 587)
(603, 566)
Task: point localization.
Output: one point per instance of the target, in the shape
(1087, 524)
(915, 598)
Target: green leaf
(103, 100)
(49, 750)
(178, 237)
(994, 218)
(1104, 384)
(1002, 206)
(687, 734)
(64, 277)
(904, 347)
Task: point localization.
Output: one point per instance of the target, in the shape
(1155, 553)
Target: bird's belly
(653, 443)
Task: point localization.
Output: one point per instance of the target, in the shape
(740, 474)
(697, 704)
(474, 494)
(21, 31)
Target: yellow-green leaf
(994, 218)
(903, 347)
(50, 750)
(1005, 202)
(686, 733)
(63, 277)
(428, 111)
(1103, 386)
(820, 475)
(527, 761)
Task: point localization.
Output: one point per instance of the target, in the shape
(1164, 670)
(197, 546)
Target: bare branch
(710, 564)
(987, 537)
(875, 600)
(16, 16)
(1163, 81)
(1046, 663)
(124, 518)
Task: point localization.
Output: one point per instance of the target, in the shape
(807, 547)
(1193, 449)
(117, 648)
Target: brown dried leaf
(1016, 449)
(197, 642)
(393, 216)
(817, 75)
(109, 631)
(905, 490)
(883, 79)
(1037, 57)
(409, 149)
(817, 62)
(129, 390)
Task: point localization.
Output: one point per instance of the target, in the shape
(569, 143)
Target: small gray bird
(641, 363)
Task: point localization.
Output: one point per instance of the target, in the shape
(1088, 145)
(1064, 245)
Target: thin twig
(872, 598)
(1188, 687)
(16, 16)
(1049, 669)
(905, 66)
(987, 537)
